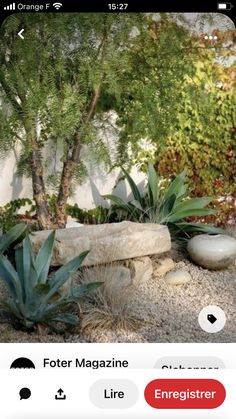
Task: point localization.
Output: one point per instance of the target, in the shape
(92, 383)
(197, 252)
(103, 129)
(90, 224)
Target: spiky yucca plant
(171, 206)
(34, 296)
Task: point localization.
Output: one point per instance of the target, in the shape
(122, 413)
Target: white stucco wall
(87, 195)
(12, 186)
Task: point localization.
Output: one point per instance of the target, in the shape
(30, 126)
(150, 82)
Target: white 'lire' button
(113, 394)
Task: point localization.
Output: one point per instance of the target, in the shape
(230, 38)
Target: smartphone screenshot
(117, 210)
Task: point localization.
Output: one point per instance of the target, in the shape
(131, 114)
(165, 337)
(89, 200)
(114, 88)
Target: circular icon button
(212, 319)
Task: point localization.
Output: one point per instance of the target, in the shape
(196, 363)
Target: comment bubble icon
(25, 393)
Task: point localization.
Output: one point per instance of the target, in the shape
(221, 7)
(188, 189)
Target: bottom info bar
(185, 394)
(129, 394)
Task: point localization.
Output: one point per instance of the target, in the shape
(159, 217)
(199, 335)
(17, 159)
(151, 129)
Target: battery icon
(224, 6)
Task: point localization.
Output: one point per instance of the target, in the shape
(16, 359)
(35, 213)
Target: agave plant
(34, 296)
(171, 206)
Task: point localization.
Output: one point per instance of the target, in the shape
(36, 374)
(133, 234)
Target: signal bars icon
(11, 6)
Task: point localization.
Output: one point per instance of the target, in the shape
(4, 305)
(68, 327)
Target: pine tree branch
(93, 104)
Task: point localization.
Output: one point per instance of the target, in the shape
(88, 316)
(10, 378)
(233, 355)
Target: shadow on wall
(119, 189)
(97, 198)
(17, 186)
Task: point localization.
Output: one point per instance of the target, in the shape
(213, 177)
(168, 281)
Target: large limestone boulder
(106, 242)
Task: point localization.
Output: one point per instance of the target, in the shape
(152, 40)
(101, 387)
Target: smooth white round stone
(178, 277)
(212, 252)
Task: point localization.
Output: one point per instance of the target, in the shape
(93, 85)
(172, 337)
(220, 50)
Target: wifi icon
(57, 5)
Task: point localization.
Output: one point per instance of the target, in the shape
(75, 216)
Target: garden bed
(156, 311)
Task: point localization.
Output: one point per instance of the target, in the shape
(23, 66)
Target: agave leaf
(40, 290)
(13, 308)
(11, 236)
(193, 203)
(200, 227)
(81, 290)
(176, 187)
(136, 204)
(118, 201)
(29, 271)
(183, 192)
(67, 318)
(8, 275)
(43, 259)
(35, 306)
(166, 208)
(176, 216)
(11, 279)
(47, 311)
(153, 189)
(134, 188)
(19, 268)
(63, 274)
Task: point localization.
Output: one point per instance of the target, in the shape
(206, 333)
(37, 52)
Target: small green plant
(9, 212)
(98, 215)
(34, 296)
(170, 206)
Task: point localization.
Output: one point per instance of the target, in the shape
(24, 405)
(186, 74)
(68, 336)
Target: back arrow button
(20, 34)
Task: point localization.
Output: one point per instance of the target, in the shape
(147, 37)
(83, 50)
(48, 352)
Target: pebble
(164, 266)
(178, 277)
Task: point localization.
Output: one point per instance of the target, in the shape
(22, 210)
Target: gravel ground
(166, 313)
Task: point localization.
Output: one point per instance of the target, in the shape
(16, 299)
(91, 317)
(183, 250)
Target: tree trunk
(65, 183)
(69, 165)
(43, 216)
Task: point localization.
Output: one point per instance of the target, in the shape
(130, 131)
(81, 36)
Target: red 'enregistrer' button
(185, 394)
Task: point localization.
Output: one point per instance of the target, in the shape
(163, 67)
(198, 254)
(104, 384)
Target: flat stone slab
(106, 242)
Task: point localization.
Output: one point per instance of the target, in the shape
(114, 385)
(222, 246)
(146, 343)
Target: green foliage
(202, 140)
(159, 78)
(171, 206)
(8, 213)
(33, 293)
(81, 54)
(89, 65)
(98, 215)
(12, 236)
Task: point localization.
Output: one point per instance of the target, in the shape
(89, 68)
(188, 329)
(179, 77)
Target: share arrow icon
(60, 395)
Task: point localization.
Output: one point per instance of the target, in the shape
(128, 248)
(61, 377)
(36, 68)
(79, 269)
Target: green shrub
(98, 215)
(34, 296)
(170, 206)
(203, 139)
(9, 212)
